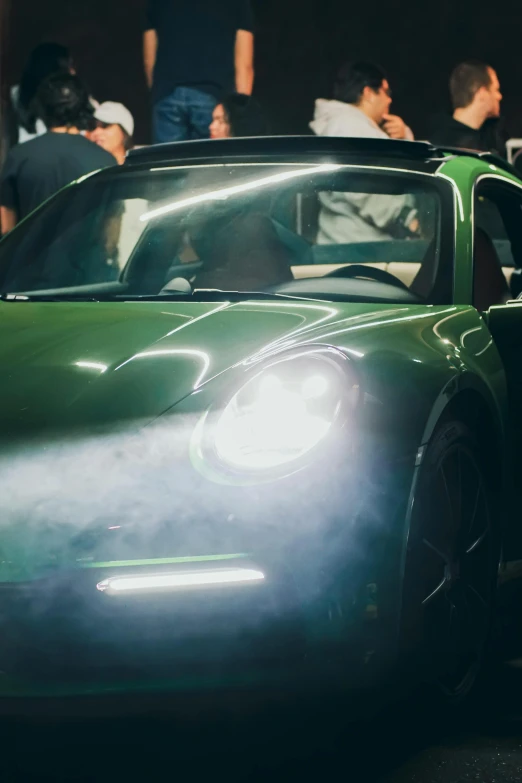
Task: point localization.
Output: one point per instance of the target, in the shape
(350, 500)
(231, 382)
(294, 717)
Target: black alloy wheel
(451, 564)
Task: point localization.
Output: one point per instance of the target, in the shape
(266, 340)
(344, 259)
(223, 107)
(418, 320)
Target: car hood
(83, 363)
(90, 470)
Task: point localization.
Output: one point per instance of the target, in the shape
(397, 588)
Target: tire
(451, 565)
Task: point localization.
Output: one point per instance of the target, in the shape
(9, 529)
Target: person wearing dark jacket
(475, 96)
(34, 171)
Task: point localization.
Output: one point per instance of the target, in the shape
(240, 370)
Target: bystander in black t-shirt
(448, 132)
(37, 169)
(196, 40)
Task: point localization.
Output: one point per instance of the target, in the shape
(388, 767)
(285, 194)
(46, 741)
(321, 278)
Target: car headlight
(284, 411)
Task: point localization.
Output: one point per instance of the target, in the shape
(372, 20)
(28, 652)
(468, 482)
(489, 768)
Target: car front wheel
(451, 564)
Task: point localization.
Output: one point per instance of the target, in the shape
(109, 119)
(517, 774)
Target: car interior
(272, 246)
(415, 267)
(268, 241)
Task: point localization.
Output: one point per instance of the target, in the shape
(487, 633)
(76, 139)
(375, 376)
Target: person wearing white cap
(115, 128)
(113, 132)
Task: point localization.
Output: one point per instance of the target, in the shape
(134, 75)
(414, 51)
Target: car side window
(497, 243)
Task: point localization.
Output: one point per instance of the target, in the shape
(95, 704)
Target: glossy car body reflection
(103, 409)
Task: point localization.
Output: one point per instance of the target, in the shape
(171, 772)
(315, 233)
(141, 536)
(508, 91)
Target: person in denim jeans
(183, 114)
(194, 52)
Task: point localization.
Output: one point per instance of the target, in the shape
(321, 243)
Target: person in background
(23, 121)
(114, 129)
(237, 115)
(195, 51)
(34, 171)
(362, 99)
(475, 97)
(360, 108)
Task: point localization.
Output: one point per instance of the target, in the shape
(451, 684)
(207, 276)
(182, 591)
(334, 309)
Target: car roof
(419, 156)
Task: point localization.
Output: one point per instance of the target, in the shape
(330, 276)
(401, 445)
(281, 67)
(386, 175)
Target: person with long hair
(45, 60)
(237, 115)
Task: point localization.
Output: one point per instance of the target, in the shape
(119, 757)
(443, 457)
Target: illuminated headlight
(284, 411)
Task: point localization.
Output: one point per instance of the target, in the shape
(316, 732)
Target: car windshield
(325, 231)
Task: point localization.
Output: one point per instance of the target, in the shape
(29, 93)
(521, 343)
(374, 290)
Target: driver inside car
(240, 250)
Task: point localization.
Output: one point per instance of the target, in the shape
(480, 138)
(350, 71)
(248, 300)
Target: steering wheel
(370, 272)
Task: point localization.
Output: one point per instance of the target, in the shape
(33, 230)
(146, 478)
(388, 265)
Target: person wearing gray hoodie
(360, 108)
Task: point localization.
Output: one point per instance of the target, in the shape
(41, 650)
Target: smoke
(54, 492)
(135, 494)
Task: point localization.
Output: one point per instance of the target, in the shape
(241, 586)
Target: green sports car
(260, 420)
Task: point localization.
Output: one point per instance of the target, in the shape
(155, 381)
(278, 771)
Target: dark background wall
(298, 45)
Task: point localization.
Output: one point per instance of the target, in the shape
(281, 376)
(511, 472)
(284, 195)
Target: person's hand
(414, 227)
(395, 127)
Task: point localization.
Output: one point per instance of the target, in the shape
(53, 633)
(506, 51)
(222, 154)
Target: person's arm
(244, 62)
(150, 50)
(8, 220)
(396, 128)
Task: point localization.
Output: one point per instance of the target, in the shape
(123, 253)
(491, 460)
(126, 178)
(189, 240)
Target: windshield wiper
(198, 295)
(50, 298)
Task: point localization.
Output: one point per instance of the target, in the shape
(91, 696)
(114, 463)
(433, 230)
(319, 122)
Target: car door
(498, 218)
(498, 215)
